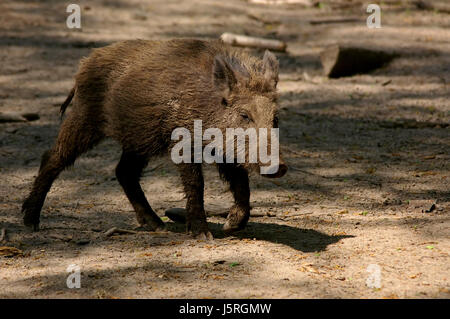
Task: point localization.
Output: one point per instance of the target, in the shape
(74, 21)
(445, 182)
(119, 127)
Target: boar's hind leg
(128, 173)
(192, 179)
(74, 138)
(239, 214)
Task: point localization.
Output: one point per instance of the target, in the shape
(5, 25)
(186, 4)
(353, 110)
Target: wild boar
(138, 92)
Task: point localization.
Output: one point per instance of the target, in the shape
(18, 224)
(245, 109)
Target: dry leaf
(308, 268)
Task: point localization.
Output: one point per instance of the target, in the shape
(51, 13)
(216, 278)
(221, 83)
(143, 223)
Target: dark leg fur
(192, 179)
(44, 159)
(50, 168)
(128, 173)
(73, 140)
(239, 214)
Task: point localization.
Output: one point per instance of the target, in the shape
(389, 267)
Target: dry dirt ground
(367, 156)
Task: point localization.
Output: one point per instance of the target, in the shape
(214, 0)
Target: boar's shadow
(305, 240)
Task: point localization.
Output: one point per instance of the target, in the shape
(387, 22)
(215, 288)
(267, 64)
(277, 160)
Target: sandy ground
(356, 194)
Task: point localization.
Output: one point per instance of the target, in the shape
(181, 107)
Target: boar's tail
(67, 102)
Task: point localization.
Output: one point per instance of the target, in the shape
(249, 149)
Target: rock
(31, 116)
(178, 215)
(338, 61)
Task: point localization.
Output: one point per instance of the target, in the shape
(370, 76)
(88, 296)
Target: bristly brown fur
(137, 92)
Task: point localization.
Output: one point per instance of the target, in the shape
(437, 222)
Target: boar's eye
(224, 102)
(246, 117)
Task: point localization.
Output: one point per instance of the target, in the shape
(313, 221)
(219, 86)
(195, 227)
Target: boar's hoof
(198, 229)
(161, 228)
(204, 236)
(30, 217)
(236, 219)
(230, 227)
(152, 228)
(32, 227)
(152, 222)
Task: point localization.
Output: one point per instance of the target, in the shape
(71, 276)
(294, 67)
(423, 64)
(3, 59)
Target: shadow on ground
(304, 240)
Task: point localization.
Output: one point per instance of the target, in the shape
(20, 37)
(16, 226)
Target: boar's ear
(270, 68)
(223, 76)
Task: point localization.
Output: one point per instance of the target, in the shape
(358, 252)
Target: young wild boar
(137, 92)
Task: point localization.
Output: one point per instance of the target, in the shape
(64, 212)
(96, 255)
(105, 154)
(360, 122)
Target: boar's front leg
(239, 214)
(192, 179)
(128, 173)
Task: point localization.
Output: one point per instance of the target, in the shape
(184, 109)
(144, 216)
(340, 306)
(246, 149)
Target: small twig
(3, 235)
(252, 42)
(17, 117)
(116, 230)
